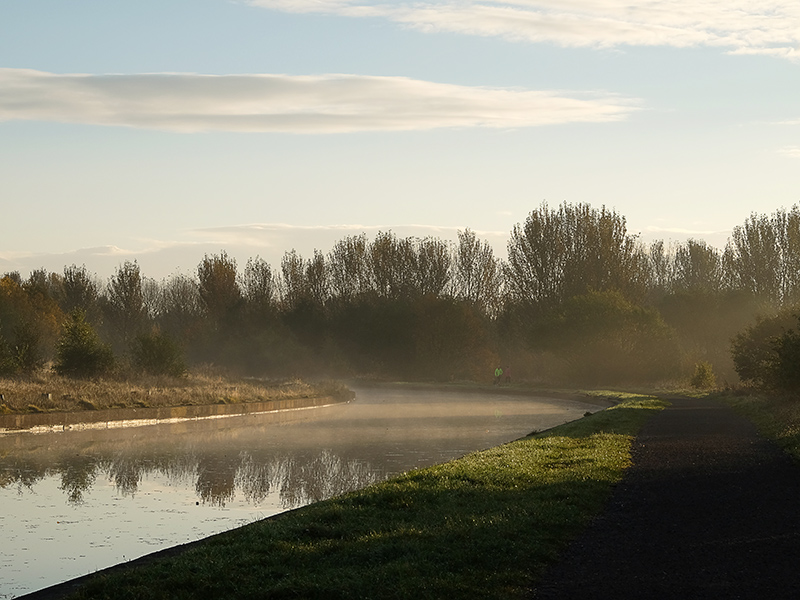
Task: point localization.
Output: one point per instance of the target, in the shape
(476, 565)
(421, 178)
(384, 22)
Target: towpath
(709, 509)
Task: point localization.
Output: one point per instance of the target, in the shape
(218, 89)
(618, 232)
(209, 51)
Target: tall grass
(483, 526)
(46, 391)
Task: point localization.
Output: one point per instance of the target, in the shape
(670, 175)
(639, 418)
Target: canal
(76, 501)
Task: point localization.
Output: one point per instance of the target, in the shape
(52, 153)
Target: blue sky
(160, 131)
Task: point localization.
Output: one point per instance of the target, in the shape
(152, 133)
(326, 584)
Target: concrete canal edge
(133, 417)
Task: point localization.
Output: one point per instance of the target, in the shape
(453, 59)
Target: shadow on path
(709, 509)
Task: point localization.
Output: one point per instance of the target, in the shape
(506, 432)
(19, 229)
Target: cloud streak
(742, 26)
(289, 104)
(790, 151)
(160, 258)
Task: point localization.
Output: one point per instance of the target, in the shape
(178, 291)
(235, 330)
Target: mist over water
(78, 501)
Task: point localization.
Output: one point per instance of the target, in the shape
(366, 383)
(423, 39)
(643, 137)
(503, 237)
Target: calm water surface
(78, 501)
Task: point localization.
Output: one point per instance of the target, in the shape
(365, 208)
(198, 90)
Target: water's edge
(134, 417)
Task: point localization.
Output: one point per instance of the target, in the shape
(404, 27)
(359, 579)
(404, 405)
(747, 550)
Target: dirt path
(709, 510)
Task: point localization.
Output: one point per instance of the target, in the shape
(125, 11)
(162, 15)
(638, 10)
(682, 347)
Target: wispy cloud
(161, 258)
(790, 151)
(742, 26)
(292, 104)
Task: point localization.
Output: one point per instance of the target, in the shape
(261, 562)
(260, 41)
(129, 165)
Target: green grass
(483, 526)
(776, 416)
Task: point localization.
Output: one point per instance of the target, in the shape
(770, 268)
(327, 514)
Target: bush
(756, 350)
(787, 364)
(157, 354)
(603, 339)
(703, 378)
(79, 352)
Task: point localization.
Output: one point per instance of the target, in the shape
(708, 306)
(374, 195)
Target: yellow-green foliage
(703, 377)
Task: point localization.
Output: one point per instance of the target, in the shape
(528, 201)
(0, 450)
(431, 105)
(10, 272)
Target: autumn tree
(26, 322)
(219, 288)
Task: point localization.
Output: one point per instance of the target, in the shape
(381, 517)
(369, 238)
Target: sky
(163, 131)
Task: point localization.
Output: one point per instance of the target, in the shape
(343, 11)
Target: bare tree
(123, 304)
(477, 274)
(219, 288)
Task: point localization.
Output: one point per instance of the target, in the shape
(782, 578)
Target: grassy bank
(483, 526)
(776, 416)
(48, 392)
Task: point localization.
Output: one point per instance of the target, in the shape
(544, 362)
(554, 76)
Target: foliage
(787, 363)
(703, 377)
(8, 364)
(754, 349)
(763, 256)
(26, 321)
(79, 352)
(578, 297)
(606, 339)
(218, 287)
(78, 290)
(156, 353)
(566, 252)
(698, 268)
(124, 305)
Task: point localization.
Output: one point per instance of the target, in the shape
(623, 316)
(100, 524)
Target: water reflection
(77, 501)
(217, 461)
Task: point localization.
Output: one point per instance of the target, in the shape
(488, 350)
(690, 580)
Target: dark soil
(709, 510)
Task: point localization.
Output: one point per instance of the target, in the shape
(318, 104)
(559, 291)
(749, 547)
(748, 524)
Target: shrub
(703, 378)
(157, 354)
(787, 364)
(757, 350)
(79, 352)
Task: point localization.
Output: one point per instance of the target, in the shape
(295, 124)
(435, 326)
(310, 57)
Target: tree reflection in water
(77, 501)
(220, 461)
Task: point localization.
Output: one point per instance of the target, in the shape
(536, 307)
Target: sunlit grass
(483, 526)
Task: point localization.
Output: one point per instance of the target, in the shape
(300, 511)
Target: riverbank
(480, 526)
(49, 393)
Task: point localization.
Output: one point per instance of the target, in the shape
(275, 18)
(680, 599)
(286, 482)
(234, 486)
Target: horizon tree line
(579, 298)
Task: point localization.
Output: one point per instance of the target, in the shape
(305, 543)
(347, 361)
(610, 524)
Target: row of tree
(579, 297)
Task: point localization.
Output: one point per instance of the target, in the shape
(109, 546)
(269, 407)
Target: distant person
(507, 373)
(498, 373)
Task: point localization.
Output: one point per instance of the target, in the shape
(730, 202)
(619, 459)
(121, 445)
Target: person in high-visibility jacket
(498, 373)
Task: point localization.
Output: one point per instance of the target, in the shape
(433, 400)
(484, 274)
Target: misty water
(75, 502)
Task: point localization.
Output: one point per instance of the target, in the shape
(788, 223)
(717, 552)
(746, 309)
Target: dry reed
(48, 392)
